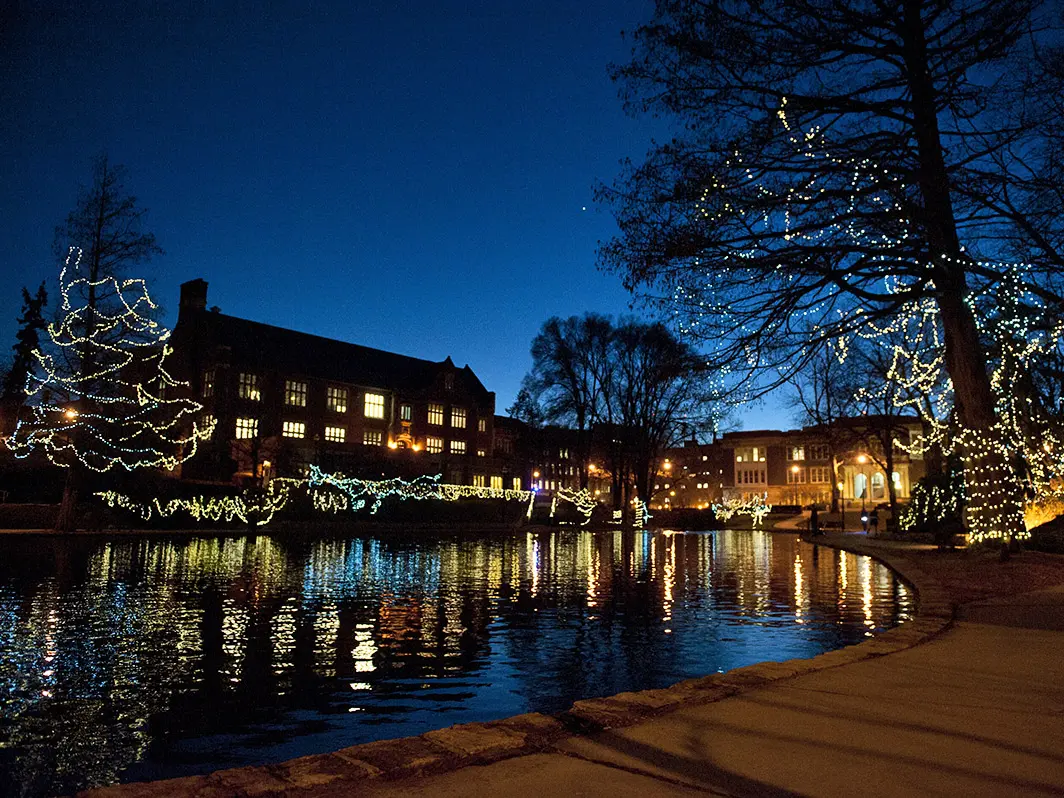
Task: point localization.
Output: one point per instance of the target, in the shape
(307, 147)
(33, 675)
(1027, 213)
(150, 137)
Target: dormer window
(448, 382)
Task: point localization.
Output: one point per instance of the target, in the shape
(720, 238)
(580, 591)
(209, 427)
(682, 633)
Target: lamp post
(794, 480)
(842, 505)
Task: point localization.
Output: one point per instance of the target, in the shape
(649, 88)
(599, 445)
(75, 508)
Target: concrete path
(977, 710)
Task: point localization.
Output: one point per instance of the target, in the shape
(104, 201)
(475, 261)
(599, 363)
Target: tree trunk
(891, 488)
(66, 519)
(992, 509)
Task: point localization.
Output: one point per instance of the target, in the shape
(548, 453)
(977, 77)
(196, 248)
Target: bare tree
(841, 162)
(823, 396)
(567, 366)
(106, 225)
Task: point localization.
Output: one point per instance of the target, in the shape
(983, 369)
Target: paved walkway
(976, 710)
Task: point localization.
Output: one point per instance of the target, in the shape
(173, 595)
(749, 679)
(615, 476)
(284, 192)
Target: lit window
(404, 412)
(481, 453)
(795, 452)
(436, 415)
(373, 437)
(247, 427)
(517, 483)
(208, 383)
(433, 445)
(374, 405)
(336, 434)
(295, 393)
(457, 447)
(249, 387)
(294, 429)
(496, 483)
(336, 399)
(207, 421)
(705, 457)
(478, 480)
(458, 417)
(482, 425)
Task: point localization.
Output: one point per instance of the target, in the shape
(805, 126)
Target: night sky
(412, 176)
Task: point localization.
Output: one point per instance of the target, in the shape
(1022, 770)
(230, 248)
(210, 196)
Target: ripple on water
(150, 658)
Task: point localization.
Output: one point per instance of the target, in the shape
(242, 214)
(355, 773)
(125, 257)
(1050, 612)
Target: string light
(754, 506)
(104, 396)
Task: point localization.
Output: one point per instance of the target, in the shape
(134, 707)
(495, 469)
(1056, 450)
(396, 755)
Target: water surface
(149, 657)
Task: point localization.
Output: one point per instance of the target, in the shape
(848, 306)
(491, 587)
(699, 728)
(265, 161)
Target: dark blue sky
(413, 176)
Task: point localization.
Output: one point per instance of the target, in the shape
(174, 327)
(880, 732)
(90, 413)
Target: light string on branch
(100, 394)
(756, 506)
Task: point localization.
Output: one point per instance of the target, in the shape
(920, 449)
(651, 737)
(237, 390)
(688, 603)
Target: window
(247, 427)
(860, 486)
(504, 445)
(819, 452)
(896, 478)
(496, 483)
(517, 483)
(295, 393)
(458, 417)
(819, 474)
(336, 434)
(795, 477)
(482, 453)
(336, 399)
(433, 445)
(563, 454)
(208, 383)
(877, 485)
(294, 429)
(457, 447)
(436, 415)
(448, 382)
(404, 412)
(249, 387)
(374, 405)
(478, 480)
(482, 425)
(373, 437)
(207, 421)
(795, 453)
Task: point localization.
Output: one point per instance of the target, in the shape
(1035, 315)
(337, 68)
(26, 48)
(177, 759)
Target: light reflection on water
(148, 658)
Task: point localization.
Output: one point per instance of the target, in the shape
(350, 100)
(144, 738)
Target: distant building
(789, 467)
(283, 399)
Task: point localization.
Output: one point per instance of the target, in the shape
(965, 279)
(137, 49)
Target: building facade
(794, 467)
(282, 400)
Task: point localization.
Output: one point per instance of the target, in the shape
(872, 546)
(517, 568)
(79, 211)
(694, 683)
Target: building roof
(264, 346)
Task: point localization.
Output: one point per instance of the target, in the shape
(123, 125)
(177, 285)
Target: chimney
(193, 296)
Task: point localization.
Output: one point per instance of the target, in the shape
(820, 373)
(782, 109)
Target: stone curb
(482, 743)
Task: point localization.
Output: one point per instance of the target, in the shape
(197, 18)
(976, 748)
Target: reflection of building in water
(260, 632)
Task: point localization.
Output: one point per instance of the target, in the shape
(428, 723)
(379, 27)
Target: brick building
(284, 399)
(790, 467)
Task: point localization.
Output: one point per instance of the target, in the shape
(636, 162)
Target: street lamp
(794, 480)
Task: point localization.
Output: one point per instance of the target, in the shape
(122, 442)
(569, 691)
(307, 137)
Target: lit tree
(842, 163)
(127, 412)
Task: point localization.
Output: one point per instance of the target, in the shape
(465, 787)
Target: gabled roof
(266, 347)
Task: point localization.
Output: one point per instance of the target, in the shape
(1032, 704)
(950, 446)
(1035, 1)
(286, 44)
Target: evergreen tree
(31, 322)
